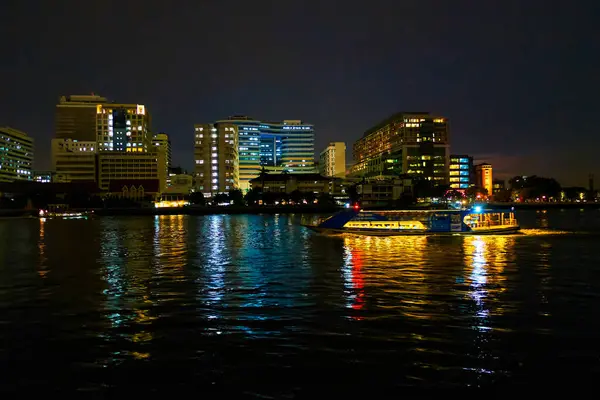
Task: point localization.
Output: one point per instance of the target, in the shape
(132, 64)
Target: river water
(255, 306)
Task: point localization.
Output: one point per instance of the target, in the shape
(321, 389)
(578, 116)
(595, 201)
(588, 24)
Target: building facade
(385, 191)
(123, 128)
(275, 146)
(332, 160)
(74, 160)
(461, 172)
(126, 166)
(484, 177)
(75, 117)
(405, 143)
(287, 183)
(16, 155)
(216, 158)
(162, 140)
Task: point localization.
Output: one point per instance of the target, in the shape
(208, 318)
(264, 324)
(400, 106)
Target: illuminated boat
(62, 211)
(476, 221)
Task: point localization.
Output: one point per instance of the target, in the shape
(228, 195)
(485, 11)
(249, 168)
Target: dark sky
(519, 79)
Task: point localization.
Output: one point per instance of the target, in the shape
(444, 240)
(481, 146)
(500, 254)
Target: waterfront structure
(414, 143)
(485, 177)
(127, 166)
(134, 189)
(73, 160)
(16, 155)
(276, 146)
(384, 192)
(332, 160)
(461, 172)
(216, 158)
(75, 117)
(287, 183)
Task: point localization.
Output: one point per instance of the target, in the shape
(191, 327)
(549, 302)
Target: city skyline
(515, 80)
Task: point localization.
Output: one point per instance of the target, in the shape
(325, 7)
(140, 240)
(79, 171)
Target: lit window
(214, 135)
(215, 187)
(214, 155)
(214, 161)
(214, 167)
(199, 161)
(214, 149)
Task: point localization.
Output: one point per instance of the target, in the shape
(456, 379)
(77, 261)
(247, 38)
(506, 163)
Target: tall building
(74, 160)
(414, 143)
(484, 177)
(16, 155)
(216, 158)
(106, 141)
(123, 127)
(75, 117)
(162, 140)
(461, 171)
(277, 146)
(332, 160)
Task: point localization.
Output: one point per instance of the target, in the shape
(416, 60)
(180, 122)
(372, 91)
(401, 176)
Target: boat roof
(433, 211)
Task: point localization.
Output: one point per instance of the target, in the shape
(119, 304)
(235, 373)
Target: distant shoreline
(255, 210)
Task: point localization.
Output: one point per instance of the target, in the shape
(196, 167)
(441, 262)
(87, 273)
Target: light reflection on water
(246, 297)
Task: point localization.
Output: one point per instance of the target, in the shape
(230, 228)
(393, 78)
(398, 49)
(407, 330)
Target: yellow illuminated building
(333, 160)
(484, 177)
(123, 127)
(410, 143)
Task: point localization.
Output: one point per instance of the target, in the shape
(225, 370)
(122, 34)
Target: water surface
(259, 306)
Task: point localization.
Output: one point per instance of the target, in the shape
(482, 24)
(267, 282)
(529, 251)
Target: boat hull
(509, 230)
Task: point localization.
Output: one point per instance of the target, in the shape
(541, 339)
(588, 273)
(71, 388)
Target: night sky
(519, 79)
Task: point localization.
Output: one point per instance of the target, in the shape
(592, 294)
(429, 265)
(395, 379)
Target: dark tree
(252, 196)
(237, 197)
(197, 198)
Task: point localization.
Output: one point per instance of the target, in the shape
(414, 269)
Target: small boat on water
(62, 211)
(475, 221)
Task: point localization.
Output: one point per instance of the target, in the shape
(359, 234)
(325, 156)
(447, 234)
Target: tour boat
(475, 221)
(62, 211)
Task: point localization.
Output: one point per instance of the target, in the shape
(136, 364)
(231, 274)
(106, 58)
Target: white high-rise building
(333, 160)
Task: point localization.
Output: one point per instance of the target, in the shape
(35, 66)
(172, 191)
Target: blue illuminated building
(461, 172)
(276, 146)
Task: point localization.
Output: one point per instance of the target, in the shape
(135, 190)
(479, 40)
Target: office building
(163, 141)
(498, 185)
(216, 158)
(123, 166)
(461, 172)
(414, 143)
(16, 155)
(75, 117)
(123, 128)
(484, 177)
(332, 160)
(275, 146)
(73, 160)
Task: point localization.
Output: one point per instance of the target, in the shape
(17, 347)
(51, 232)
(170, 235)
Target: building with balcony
(461, 172)
(384, 192)
(413, 143)
(16, 155)
(332, 160)
(216, 158)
